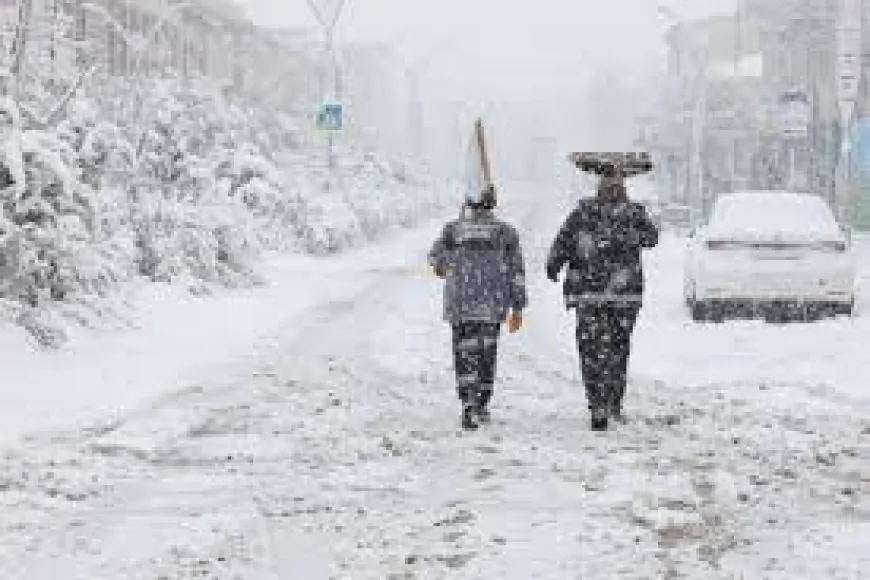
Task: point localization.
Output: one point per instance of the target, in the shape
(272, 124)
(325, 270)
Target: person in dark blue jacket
(600, 243)
(481, 261)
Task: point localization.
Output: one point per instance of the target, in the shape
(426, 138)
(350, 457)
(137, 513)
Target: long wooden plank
(485, 166)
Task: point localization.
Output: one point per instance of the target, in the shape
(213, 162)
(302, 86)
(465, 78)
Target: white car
(769, 252)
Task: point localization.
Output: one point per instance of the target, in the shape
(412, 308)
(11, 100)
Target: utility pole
(19, 44)
(848, 78)
(694, 173)
(415, 112)
(330, 60)
(737, 130)
(698, 142)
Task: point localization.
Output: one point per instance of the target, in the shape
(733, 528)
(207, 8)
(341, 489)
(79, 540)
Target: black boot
(599, 419)
(483, 406)
(469, 417)
(616, 412)
(618, 416)
(616, 403)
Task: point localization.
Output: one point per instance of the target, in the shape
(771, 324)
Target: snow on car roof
(773, 214)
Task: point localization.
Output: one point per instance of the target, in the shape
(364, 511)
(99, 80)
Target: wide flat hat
(613, 164)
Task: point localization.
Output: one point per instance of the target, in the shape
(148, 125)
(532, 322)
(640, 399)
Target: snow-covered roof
(767, 215)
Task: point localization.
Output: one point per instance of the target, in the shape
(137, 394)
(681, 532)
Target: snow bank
(175, 183)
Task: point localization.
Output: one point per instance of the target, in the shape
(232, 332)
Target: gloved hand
(515, 321)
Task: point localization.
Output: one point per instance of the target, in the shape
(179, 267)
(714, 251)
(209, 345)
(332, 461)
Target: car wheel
(700, 311)
(779, 314)
(845, 309)
(716, 312)
(708, 312)
(815, 312)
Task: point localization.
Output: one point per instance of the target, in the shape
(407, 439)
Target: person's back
(601, 243)
(481, 261)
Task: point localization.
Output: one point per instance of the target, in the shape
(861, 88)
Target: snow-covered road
(335, 452)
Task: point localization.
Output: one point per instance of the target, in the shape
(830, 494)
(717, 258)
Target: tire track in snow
(400, 516)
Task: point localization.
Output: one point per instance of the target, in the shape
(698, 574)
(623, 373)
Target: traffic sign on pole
(794, 114)
(330, 117)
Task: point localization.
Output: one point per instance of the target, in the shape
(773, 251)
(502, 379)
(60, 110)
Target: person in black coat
(601, 243)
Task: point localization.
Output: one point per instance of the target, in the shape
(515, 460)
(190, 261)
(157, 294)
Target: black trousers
(475, 351)
(604, 342)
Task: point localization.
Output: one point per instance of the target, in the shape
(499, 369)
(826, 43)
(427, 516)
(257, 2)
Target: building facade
(750, 101)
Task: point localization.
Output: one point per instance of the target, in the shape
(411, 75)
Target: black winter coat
(601, 243)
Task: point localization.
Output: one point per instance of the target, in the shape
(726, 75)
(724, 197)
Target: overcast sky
(502, 49)
(525, 65)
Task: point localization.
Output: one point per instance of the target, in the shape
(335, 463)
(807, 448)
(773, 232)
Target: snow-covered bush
(54, 244)
(179, 184)
(252, 181)
(370, 195)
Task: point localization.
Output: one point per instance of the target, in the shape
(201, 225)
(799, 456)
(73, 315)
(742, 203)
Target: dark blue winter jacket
(481, 259)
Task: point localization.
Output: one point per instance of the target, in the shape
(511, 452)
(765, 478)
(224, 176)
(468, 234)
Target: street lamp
(699, 113)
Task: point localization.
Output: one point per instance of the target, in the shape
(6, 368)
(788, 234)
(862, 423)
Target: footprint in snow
(455, 561)
(488, 449)
(461, 516)
(484, 473)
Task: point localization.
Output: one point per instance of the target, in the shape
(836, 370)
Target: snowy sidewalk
(182, 341)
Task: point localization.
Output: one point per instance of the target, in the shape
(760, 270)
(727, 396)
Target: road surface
(339, 455)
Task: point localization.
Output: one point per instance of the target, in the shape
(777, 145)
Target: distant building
(198, 38)
(728, 79)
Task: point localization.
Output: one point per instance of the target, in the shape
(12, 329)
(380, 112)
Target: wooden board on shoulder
(479, 170)
(483, 152)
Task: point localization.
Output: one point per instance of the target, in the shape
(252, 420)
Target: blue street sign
(329, 117)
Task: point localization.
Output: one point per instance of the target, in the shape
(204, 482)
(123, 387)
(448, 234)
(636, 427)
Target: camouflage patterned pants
(475, 350)
(604, 342)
